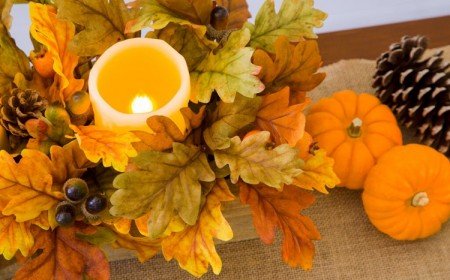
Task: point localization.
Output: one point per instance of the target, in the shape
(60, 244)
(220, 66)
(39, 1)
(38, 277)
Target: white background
(343, 14)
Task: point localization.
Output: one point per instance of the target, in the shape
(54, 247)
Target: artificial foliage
(69, 187)
(416, 86)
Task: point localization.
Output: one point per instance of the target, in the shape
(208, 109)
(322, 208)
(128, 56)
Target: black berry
(219, 18)
(96, 203)
(75, 190)
(65, 214)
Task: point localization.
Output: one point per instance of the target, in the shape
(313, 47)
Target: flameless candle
(136, 79)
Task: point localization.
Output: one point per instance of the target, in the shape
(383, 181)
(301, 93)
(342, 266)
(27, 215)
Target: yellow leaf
(122, 225)
(317, 173)
(27, 186)
(14, 236)
(56, 35)
(194, 247)
(145, 248)
(114, 149)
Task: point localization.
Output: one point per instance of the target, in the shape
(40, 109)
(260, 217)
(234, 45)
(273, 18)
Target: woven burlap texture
(351, 248)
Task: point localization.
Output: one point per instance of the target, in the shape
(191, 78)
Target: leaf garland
(285, 123)
(56, 35)
(293, 66)
(166, 184)
(255, 161)
(114, 149)
(12, 59)
(227, 72)
(230, 118)
(194, 247)
(272, 209)
(64, 256)
(103, 23)
(295, 20)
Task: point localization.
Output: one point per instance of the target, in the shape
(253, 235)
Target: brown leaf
(165, 131)
(238, 12)
(272, 209)
(63, 257)
(292, 65)
(285, 123)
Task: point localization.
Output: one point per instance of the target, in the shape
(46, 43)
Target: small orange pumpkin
(407, 194)
(355, 130)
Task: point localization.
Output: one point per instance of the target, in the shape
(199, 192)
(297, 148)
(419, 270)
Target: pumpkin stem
(354, 130)
(420, 199)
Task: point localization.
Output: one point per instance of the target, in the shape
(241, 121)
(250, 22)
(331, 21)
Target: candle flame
(141, 104)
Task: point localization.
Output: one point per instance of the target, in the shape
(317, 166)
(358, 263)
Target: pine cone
(417, 90)
(18, 107)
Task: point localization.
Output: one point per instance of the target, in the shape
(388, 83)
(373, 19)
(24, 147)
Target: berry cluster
(78, 199)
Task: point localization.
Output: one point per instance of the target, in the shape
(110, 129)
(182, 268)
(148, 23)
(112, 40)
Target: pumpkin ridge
(383, 135)
(368, 111)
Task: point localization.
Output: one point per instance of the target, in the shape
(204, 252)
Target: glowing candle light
(136, 79)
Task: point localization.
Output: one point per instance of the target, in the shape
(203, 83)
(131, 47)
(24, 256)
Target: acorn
(43, 63)
(95, 204)
(75, 190)
(65, 214)
(79, 103)
(219, 18)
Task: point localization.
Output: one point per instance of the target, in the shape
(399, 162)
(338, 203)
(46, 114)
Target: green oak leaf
(254, 162)
(230, 118)
(166, 184)
(228, 72)
(157, 14)
(186, 41)
(104, 23)
(296, 19)
(12, 59)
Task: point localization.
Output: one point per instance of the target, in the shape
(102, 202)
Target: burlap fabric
(351, 248)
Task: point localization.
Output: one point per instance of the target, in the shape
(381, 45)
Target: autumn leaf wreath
(68, 187)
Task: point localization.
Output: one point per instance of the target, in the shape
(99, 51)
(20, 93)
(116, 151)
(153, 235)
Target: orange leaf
(14, 236)
(165, 131)
(55, 35)
(194, 247)
(272, 209)
(238, 12)
(145, 248)
(285, 123)
(26, 187)
(64, 256)
(293, 65)
(114, 149)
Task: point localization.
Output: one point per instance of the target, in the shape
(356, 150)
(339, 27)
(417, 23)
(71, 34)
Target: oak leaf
(285, 123)
(144, 247)
(293, 66)
(194, 247)
(228, 119)
(56, 35)
(166, 132)
(317, 173)
(28, 185)
(14, 236)
(103, 23)
(254, 161)
(238, 12)
(64, 256)
(228, 71)
(193, 47)
(272, 209)
(165, 184)
(157, 14)
(114, 149)
(295, 20)
(12, 59)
